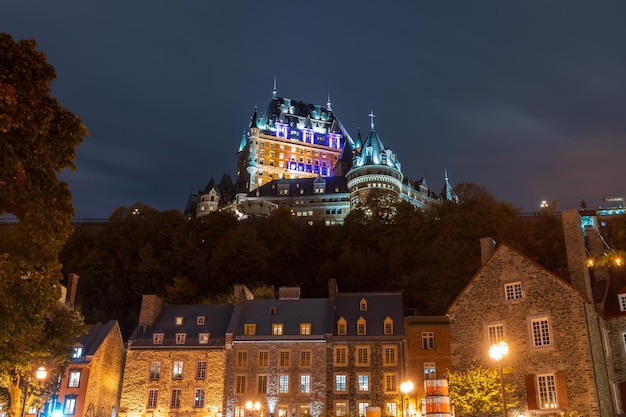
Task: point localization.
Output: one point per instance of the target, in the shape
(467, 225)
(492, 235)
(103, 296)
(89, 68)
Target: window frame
(72, 381)
(513, 291)
(428, 340)
(540, 330)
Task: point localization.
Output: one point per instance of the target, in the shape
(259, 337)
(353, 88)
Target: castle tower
(374, 168)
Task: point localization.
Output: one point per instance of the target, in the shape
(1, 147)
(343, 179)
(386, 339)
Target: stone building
(176, 360)
(366, 353)
(92, 380)
(427, 356)
(557, 337)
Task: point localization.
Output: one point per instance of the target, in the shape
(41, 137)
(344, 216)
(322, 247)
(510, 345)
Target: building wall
(137, 382)
(418, 353)
(572, 321)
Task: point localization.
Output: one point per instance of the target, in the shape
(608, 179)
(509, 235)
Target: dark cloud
(524, 98)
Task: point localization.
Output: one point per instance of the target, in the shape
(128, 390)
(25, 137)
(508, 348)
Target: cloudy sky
(526, 98)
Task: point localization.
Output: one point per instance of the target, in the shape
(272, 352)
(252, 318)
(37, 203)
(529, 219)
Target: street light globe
(257, 406)
(249, 405)
(406, 387)
(499, 350)
(41, 373)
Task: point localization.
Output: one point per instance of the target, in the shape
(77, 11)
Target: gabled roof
(380, 305)
(96, 335)
(294, 185)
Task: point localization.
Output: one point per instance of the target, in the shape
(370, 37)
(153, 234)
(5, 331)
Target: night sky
(525, 98)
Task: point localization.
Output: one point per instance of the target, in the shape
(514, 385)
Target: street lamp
(405, 387)
(497, 352)
(253, 406)
(40, 375)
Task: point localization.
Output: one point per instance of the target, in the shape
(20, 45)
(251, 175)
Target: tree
(38, 138)
(477, 392)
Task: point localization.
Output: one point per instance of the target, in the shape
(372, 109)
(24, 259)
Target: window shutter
(561, 389)
(531, 392)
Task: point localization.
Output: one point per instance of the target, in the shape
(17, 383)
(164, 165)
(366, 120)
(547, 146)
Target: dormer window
(203, 338)
(200, 320)
(157, 338)
(305, 328)
(272, 311)
(361, 326)
(180, 338)
(388, 326)
(363, 304)
(277, 329)
(179, 321)
(249, 329)
(77, 352)
(622, 302)
(341, 326)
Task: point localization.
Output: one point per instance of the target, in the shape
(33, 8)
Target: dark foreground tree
(38, 138)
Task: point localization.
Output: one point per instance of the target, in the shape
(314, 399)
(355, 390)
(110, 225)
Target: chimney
(150, 309)
(576, 252)
(332, 289)
(72, 284)
(242, 293)
(487, 248)
(289, 293)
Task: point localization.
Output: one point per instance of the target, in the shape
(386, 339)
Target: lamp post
(40, 375)
(497, 352)
(405, 387)
(250, 406)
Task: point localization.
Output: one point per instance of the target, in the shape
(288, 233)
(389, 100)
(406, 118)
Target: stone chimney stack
(332, 289)
(487, 248)
(242, 293)
(576, 252)
(289, 293)
(150, 308)
(72, 285)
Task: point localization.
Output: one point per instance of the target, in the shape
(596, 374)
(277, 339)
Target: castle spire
(328, 107)
(274, 91)
(372, 115)
(253, 122)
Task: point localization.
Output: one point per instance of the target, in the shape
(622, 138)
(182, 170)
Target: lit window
(388, 326)
(284, 358)
(361, 327)
(201, 370)
(495, 333)
(198, 398)
(390, 355)
(305, 358)
(362, 355)
(155, 371)
(341, 326)
(622, 302)
(392, 409)
(340, 355)
(547, 391)
(177, 370)
(340, 383)
(74, 381)
(363, 304)
(249, 329)
(277, 329)
(241, 384)
(430, 370)
(176, 394)
(341, 409)
(263, 358)
(305, 328)
(153, 396)
(363, 409)
(364, 382)
(305, 384)
(242, 359)
(203, 338)
(180, 338)
(541, 332)
(262, 384)
(428, 340)
(513, 291)
(283, 384)
(179, 321)
(77, 353)
(69, 405)
(200, 320)
(157, 338)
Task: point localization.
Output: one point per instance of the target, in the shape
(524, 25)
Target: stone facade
(553, 331)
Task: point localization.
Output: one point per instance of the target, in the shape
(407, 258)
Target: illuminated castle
(299, 155)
